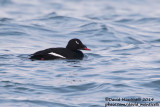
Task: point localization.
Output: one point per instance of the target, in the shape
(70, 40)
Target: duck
(71, 51)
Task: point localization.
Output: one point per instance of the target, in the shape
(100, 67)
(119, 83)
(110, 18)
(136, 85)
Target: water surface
(124, 62)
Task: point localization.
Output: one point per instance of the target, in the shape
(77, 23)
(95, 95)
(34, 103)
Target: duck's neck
(71, 47)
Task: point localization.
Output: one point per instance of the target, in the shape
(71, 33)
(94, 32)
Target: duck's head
(76, 44)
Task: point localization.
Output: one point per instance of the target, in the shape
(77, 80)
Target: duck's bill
(87, 49)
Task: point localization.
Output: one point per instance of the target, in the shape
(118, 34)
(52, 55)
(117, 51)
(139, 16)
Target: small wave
(157, 82)
(5, 19)
(146, 20)
(153, 84)
(125, 20)
(95, 55)
(131, 40)
(156, 41)
(54, 16)
(18, 87)
(50, 15)
(12, 33)
(38, 27)
(94, 25)
(32, 102)
(89, 25)
(120, 85)
(5, 2)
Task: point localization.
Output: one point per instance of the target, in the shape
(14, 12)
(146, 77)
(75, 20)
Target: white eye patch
(77, 42)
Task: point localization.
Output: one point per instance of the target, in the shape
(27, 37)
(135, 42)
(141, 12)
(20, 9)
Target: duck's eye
(77, 42)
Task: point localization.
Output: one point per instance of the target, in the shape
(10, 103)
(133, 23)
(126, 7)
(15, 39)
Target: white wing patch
(77, 42)
(55, 54)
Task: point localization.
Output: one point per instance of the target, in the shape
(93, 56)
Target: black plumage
(72, 51)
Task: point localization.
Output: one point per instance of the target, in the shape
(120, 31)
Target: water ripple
(124, 58)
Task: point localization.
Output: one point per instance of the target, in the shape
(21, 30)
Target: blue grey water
(124, 36)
